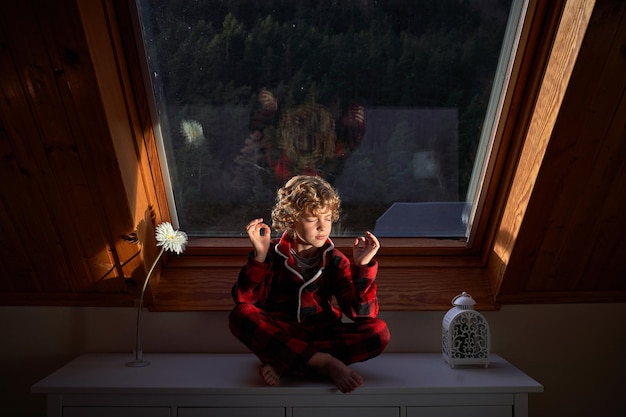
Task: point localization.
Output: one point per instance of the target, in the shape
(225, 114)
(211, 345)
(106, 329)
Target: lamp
(465, 334)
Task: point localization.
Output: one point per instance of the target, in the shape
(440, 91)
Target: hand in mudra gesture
(259, 234)
(364, 248)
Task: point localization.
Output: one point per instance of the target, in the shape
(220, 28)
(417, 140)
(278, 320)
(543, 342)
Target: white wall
(576, 351)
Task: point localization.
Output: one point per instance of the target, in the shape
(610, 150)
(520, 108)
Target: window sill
(411, 277)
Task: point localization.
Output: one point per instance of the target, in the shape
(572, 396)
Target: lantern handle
(463, 294)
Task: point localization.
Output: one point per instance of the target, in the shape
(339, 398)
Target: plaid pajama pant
(288, 346)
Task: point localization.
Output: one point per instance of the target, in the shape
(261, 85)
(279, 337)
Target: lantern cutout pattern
(465, 334)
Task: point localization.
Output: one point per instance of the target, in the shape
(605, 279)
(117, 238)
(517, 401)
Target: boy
(283, 311)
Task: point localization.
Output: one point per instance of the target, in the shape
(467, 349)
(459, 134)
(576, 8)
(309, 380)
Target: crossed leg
(285, 347)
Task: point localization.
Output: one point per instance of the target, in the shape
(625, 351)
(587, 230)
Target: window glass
(387, 100)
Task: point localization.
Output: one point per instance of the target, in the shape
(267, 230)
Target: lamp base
(138, 363)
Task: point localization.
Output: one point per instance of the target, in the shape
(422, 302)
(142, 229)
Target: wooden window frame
(415, 274)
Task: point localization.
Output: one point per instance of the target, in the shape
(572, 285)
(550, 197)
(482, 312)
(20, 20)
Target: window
(394, 102)
(416, 273)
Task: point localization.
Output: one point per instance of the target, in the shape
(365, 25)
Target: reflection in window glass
(385, 99)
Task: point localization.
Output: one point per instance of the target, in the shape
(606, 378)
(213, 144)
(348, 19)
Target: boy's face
(313, 230)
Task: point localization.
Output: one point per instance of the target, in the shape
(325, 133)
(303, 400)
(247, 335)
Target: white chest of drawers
(228, 385)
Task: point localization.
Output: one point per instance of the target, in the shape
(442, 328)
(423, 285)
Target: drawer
(116, 412)
(461, 411)
(231, 412)
(346, 412)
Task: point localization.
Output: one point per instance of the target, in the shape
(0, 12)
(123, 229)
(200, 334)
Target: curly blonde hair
(302, 196)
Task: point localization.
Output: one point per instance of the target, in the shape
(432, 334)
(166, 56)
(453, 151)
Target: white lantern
(465, 334)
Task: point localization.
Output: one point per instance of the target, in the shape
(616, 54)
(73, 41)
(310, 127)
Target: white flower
(170, 239)
(192, 131)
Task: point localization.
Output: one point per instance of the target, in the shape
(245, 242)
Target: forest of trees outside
(386, 99)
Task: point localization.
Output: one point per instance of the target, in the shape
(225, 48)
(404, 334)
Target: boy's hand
(365, 248)
(259, 235)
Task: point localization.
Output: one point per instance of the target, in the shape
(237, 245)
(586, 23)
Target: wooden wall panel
(130, 128)
(63, 206)
(571, 231)
(18, 273)
(130, 75)
(580, 150)
(209, 288)
(573, 25)
(602, 261)
(29, 185)
(83, 103)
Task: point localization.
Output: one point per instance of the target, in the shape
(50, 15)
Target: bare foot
(344, 378)
(269, 375)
